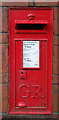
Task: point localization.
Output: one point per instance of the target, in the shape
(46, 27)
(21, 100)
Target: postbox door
(31, 73)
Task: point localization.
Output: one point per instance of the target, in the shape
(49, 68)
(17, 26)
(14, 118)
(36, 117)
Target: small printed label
(31, 54)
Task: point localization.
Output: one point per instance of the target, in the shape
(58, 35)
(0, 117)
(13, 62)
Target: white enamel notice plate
(31, 54)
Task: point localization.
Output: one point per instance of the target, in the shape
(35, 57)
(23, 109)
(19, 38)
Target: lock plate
(23, 74)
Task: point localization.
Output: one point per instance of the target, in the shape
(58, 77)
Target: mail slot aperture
(30, 60)
(31, 28)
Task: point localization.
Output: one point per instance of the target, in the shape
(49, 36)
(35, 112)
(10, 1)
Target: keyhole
(21, 72)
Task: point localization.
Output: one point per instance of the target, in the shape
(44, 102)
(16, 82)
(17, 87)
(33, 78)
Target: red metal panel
(30, 88)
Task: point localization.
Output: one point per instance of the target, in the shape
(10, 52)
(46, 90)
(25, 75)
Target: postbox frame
(12, 108)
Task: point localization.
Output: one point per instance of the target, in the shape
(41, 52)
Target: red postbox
(30, 60)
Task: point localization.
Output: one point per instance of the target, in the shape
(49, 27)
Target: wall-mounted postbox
(30, 60)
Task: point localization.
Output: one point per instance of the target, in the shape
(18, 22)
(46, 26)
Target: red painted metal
(30, 88)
